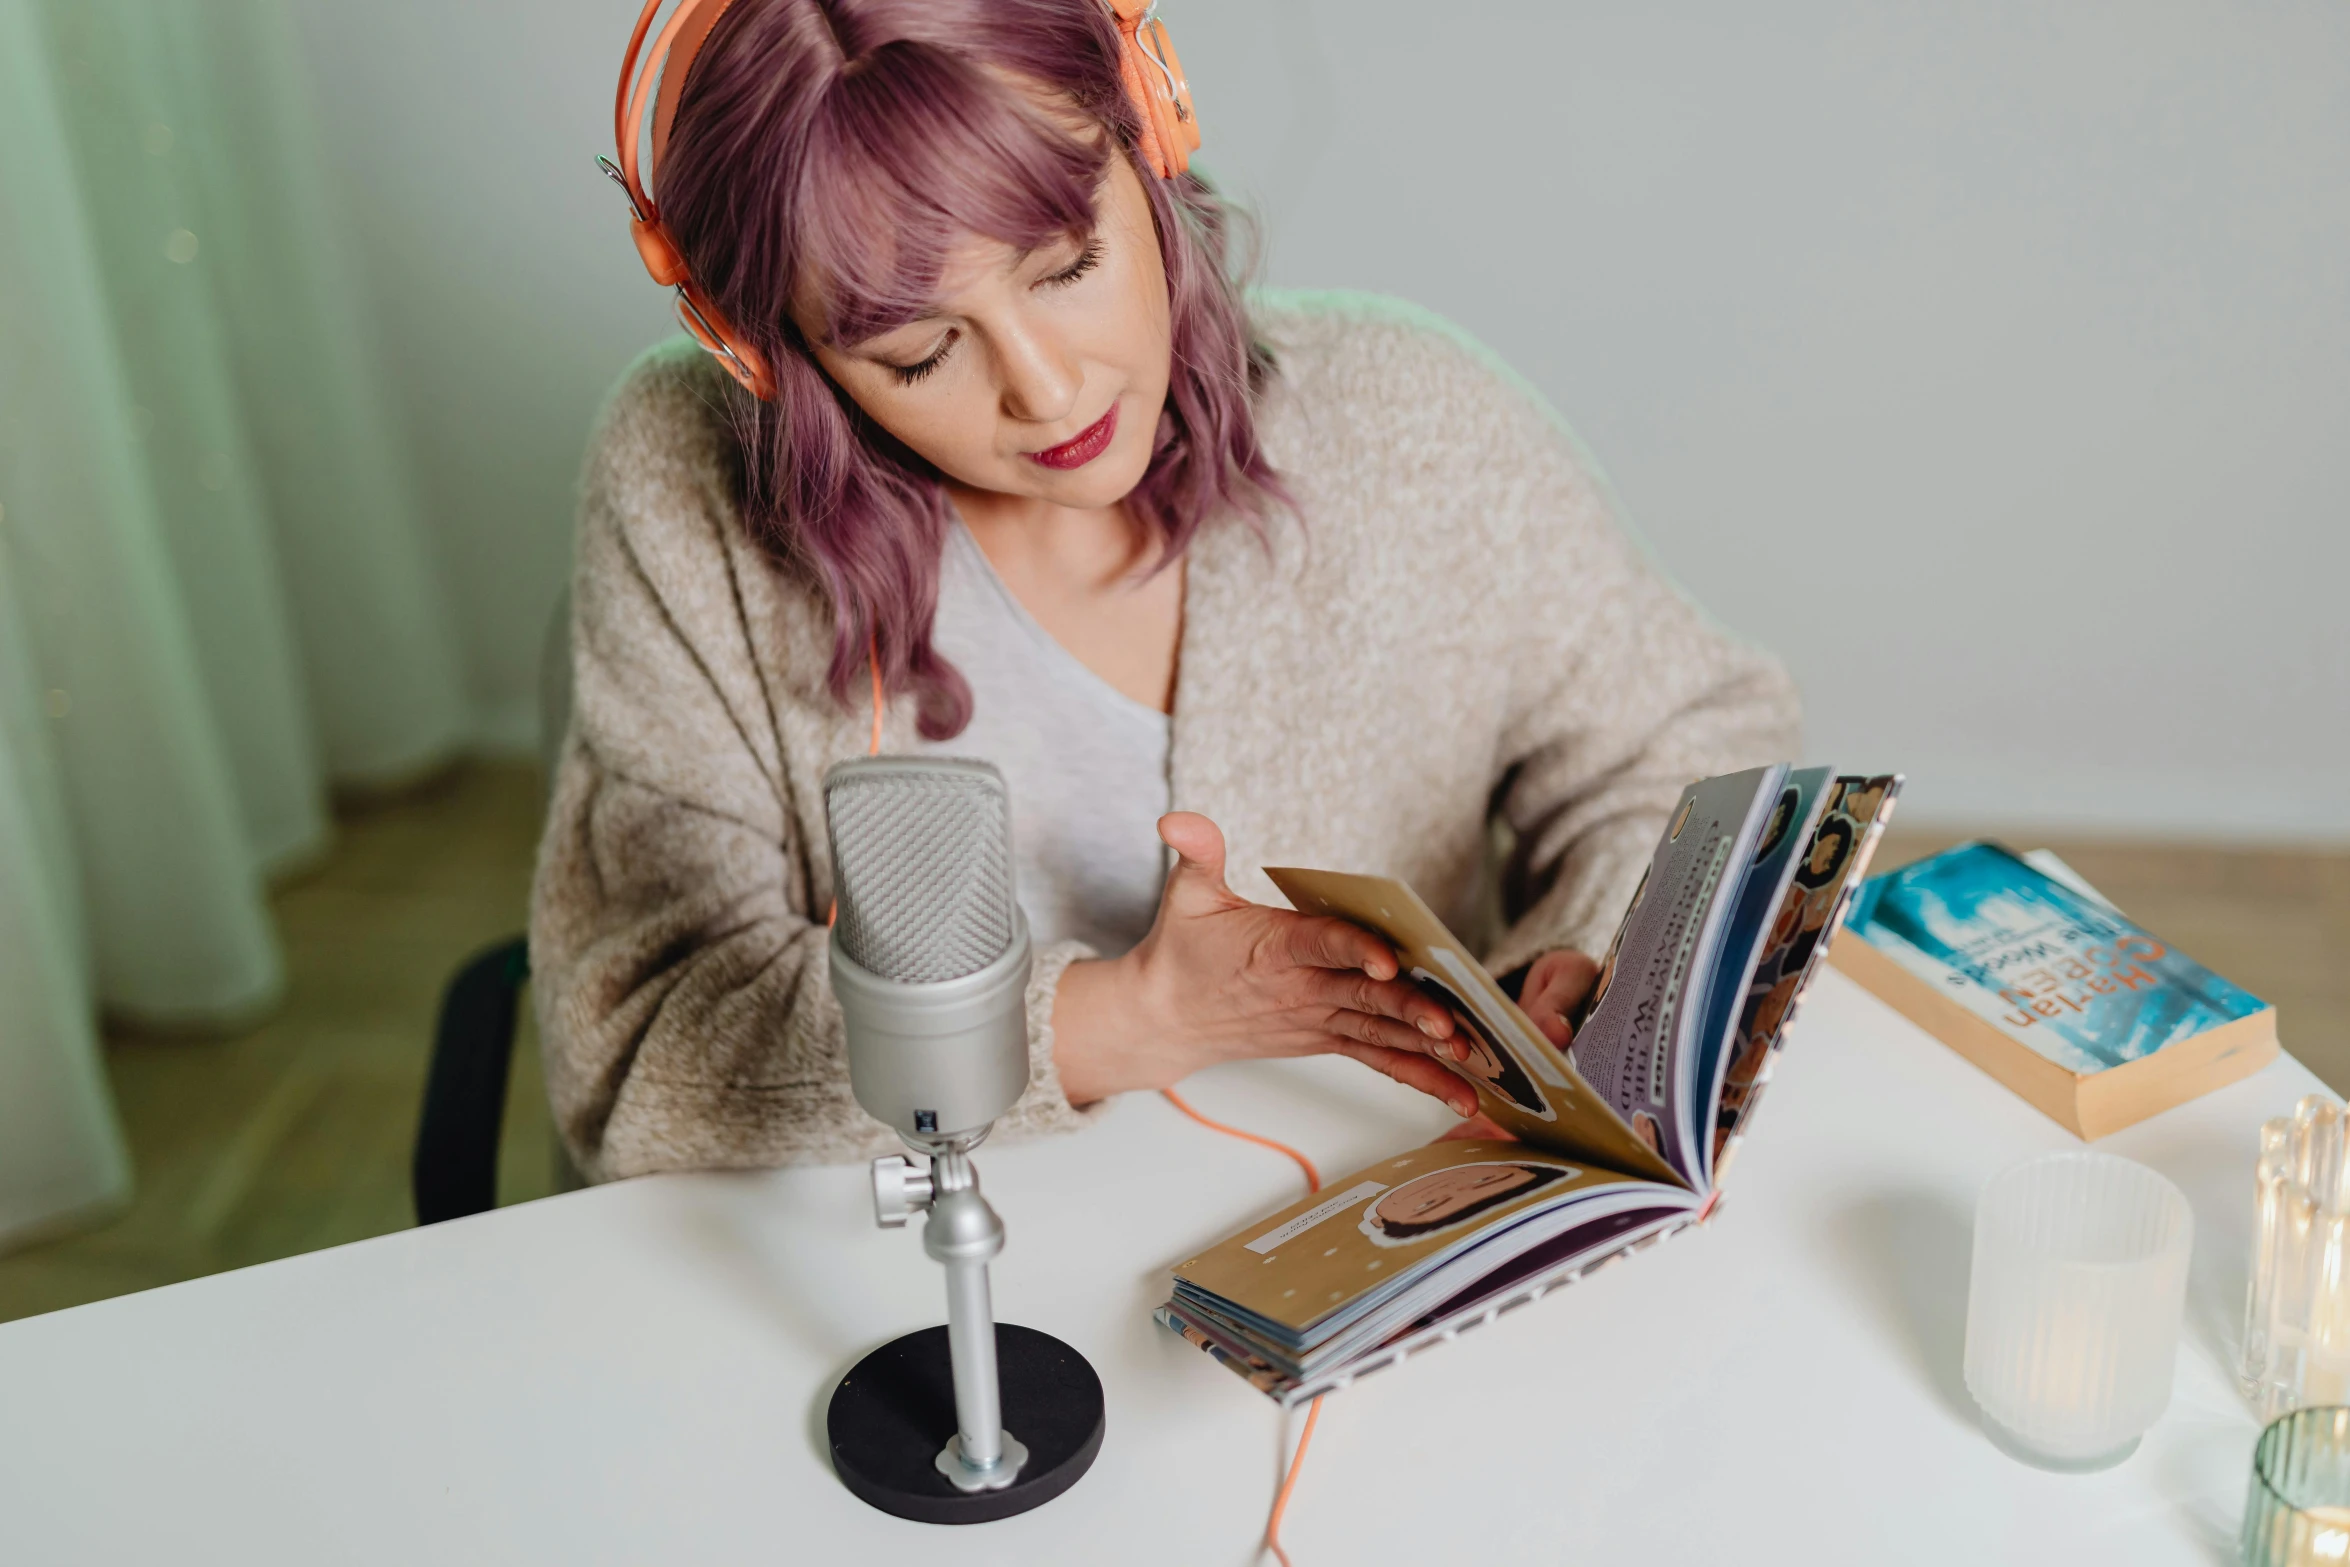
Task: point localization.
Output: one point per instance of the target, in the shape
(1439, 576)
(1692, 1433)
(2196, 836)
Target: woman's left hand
(1556, 983)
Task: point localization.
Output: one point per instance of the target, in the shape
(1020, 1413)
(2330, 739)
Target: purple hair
(845, 146)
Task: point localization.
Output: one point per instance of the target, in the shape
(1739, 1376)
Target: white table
(638, 1374)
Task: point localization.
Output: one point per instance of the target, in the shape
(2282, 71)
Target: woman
(1312, 583)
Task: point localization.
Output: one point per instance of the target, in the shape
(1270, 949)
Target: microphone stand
(964, 1234)
(889, 1412)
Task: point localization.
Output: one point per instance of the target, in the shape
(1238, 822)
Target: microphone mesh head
(922, 866)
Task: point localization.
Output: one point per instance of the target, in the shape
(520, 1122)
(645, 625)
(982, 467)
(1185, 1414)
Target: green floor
(296, 1135)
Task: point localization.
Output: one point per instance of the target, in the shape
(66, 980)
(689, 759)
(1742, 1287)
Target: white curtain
(215, 595)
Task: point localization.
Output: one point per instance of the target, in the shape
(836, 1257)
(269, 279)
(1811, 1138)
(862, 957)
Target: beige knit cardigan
(1458, 628)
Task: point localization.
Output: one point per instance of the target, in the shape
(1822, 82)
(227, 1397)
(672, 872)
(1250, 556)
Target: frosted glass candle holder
(2074, 1306)
(2297, 1309)
(2297, 1513)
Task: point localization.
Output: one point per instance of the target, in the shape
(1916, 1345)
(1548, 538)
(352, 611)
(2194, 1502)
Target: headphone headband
(1147, 65)
(669, 61)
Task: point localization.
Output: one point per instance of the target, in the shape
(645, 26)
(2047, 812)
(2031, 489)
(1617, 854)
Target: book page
(1835, 858)
(1786, 838)
(1367, 1231)
(1522, 1080)
(1638, 1044)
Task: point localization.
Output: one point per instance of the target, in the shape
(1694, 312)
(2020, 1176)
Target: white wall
(1991, 362)
(510, 296)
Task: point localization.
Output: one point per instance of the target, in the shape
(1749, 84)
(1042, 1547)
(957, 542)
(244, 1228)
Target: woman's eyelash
(908, 374)
(1086, 262)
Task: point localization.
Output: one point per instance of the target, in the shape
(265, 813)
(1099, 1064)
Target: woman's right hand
(1222, 979)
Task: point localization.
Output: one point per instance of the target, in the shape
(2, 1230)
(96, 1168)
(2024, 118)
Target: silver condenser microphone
(930, 961)
(929, 950)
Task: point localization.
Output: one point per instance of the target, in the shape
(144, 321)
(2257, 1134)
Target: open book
(1620, 1141)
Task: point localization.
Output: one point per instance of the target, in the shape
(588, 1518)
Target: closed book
(2055, 993)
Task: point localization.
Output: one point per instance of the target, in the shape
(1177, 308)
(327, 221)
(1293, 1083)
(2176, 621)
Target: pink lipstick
(1082, 448)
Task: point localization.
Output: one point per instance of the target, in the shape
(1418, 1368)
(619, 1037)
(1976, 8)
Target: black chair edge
(454, 1171)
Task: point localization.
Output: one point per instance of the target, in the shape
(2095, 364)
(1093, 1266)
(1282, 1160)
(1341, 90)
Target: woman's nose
(1040, 379)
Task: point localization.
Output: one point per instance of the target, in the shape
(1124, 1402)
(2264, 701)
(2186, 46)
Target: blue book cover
(2041, 962)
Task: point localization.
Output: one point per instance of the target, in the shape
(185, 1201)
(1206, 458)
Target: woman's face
(1038, 373)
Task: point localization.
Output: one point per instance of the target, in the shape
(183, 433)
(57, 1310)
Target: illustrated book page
(1834, 858)
(1786, 835)
(1639, 1043)
(1522, 1080)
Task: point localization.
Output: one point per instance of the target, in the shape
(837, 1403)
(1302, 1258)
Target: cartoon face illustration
(1817, 907)
(1651, 1130)
(1615, 950)
(1829, 850)
(1765, 1027)
(1776, 829)
(1488, 1064)
(1861, 804)
(1442, 1199)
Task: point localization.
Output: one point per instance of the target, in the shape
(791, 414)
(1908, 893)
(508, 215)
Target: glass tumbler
(2298, 1511)
(2074, 1306)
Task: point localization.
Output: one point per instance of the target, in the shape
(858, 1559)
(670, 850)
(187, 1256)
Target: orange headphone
(1146, 63)
(1154, 80)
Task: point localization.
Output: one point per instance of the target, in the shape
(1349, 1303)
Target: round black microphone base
(895, 1411)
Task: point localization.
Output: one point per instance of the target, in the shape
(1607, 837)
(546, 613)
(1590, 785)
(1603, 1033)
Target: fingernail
(1428, 1027)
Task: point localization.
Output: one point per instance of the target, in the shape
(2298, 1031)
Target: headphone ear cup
(1131, 69)
(1172, 113)
(659, 253)
(1170, 131)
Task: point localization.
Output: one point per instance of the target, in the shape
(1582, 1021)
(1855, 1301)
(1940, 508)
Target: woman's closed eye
(908, 374)
(1087, 259)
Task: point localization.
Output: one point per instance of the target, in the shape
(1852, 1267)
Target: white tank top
(1086, 764)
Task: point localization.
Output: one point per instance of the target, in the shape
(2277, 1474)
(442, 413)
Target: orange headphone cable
(1289, 1483)
(1297, 1460)
(1313, 1176)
